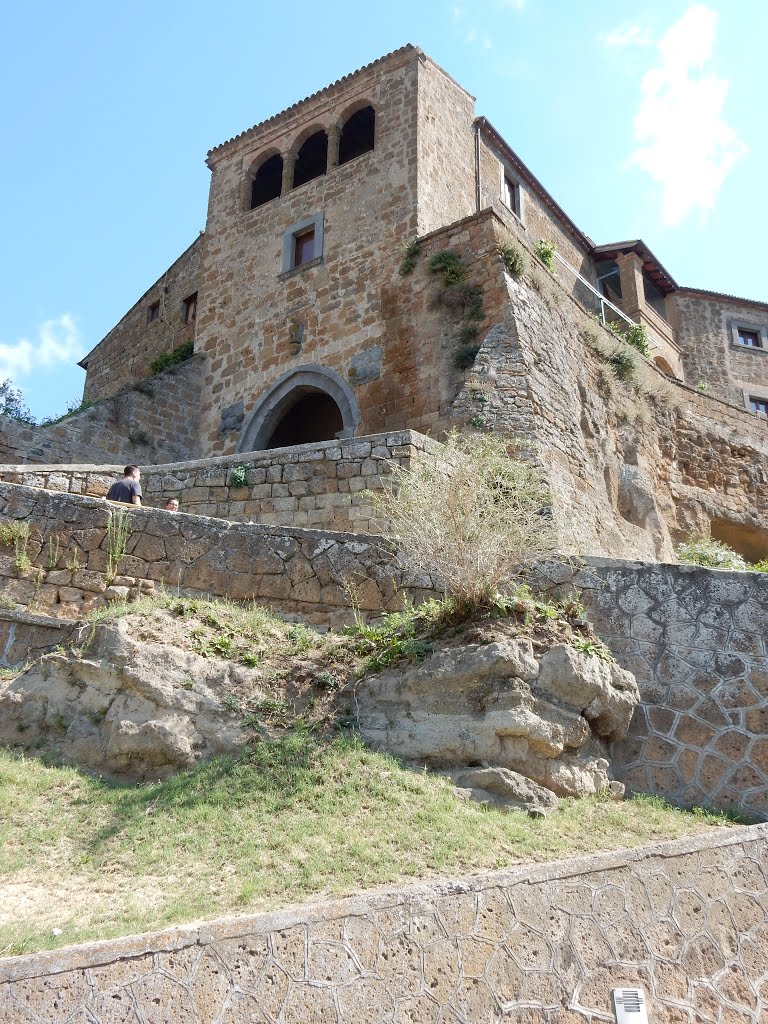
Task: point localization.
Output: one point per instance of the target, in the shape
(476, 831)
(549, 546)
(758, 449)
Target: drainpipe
(477, 167)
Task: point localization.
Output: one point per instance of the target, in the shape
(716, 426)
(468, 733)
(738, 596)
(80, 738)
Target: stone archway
(308, 404)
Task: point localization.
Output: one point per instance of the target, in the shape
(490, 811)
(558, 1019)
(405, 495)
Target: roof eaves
(724, 295)
(485, 125)
(638, 245)
(408, 48)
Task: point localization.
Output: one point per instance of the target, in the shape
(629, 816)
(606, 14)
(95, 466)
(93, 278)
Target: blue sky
(642, 119)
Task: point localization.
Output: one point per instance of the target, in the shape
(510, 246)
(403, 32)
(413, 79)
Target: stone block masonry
(307, 572)
(685, 921)
(321, 486)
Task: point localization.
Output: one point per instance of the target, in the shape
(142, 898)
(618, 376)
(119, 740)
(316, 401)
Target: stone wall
(292, 570)
(685, 921)
(704, 324)
(696, 641)
(153, 422)
(123, 357)
(319, 485)
(24, 635)
(634, 467)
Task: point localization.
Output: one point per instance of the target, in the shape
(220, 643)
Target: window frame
(291, 234)
(153, 312)
(506, 174)
(736, 326)
(190, 303)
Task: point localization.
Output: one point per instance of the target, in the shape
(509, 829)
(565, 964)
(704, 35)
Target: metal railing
(595, 303)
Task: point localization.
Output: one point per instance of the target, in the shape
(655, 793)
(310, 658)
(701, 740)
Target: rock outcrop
(471, 708)
(126, 709)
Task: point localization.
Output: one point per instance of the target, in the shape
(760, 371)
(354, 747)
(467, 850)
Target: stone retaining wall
(292, 570)
(150, 423)
(685, 921)
(696, 641)
(321, 485)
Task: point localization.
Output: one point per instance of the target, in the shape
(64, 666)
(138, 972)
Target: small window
(510, 195)
(758, 405)
(304, 247)
(190, 309)
(303, 242)
(153, 313)
(750, 339)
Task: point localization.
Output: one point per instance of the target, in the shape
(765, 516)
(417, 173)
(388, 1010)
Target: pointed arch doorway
(308, 404)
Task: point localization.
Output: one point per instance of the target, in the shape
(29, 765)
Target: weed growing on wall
(472, 519)
(713, 554)
(118, 532)
(178, 355)
(463, 298)
(546, 252)
(238, 476)
(512, 258)
(15, 533)
(411, 253)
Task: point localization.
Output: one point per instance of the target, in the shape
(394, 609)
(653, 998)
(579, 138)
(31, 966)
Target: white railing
(599, 304)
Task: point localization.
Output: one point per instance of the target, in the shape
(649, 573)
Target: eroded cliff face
(512, 720)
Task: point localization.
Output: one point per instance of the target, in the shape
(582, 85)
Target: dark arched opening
(282, 417)
(357, 135)
(267, 181)
(311, 160)
(313, 416)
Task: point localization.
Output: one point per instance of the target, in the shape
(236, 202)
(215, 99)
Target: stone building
(320, 306)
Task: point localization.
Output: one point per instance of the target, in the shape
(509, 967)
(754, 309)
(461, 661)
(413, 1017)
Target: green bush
(411, 252)
(512, 258)
(465, 356)
(637, 337)
(546, 252)
(238, 476)
(622, 363)
(472, 518)
(709, 552)
(449, 266)
(179, 355)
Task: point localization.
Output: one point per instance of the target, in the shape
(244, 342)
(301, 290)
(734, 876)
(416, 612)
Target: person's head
(133, 472)
(171, 505)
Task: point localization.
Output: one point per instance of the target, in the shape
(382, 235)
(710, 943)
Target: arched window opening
(306, 417)
(267, 181)
(357, 135)
(664, 366)
(312, 159)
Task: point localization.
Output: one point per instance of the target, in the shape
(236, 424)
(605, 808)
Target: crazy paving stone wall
(696, 642)
(685, 921)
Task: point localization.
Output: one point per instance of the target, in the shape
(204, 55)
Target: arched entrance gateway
(308, 404)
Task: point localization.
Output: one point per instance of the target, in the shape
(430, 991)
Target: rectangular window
(190, 309)
(304, 247)
(510, 196)
(153, 313)
(749, 338)
(303, 243)
(758, 404)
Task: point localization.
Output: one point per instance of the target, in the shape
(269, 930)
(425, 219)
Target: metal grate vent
(629, 1006)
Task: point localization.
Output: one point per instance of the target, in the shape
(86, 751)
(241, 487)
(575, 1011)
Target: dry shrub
(472, 518)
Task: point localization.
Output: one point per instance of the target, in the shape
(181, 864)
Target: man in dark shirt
(128, 489)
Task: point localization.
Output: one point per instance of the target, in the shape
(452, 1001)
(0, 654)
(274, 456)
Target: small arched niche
(357, 135)
(307, 405)
(664, 366)
(311, 160)
(266, 183)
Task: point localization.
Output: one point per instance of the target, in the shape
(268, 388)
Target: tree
(12, 403)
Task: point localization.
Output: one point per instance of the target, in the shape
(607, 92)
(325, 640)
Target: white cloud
(684, 142)
(57, 341)
(632, 35)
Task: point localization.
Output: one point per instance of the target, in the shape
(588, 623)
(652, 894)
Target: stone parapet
(683, 920)
(323, 485)
(317, 574)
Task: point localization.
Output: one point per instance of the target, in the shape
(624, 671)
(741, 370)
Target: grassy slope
(288, 821)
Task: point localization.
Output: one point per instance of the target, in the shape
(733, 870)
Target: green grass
(286, 821)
